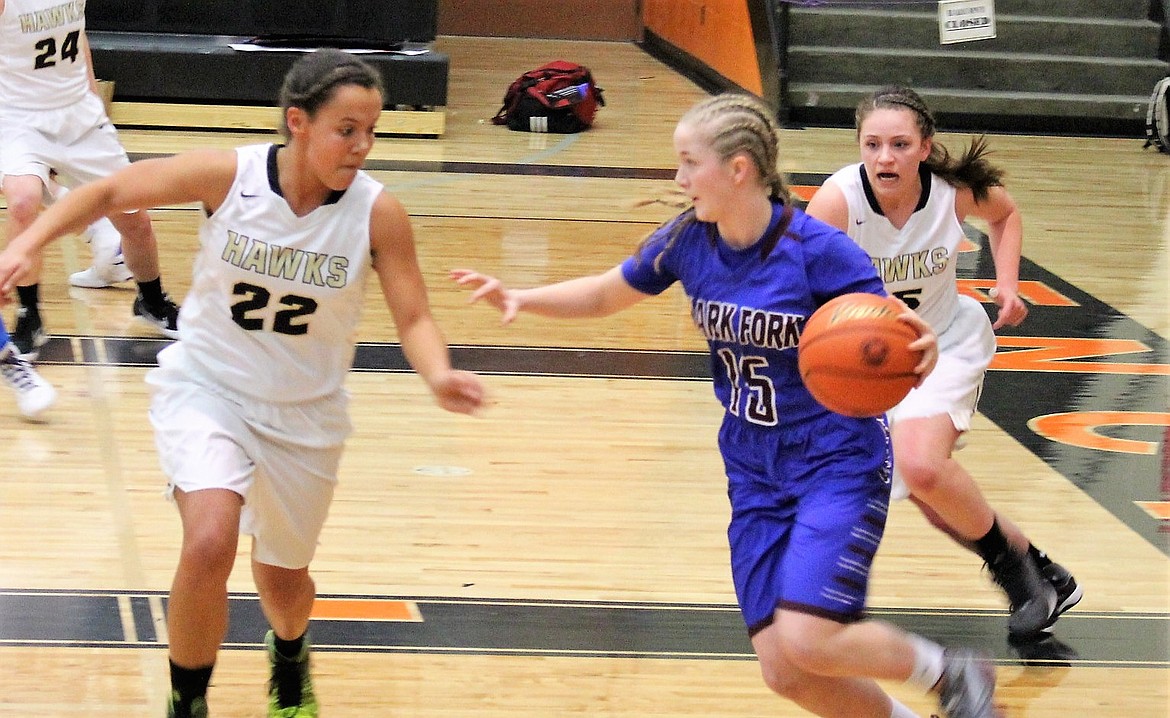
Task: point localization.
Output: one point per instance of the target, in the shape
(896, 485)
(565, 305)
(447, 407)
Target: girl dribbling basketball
(809, 489)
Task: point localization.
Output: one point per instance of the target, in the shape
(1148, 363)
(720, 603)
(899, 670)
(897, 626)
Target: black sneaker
(1032, 599)
(29, 335)
(163, 319)
(967, 686)
(1068, 591)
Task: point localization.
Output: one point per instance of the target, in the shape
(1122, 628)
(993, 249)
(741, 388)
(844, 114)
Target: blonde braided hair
(736, 123)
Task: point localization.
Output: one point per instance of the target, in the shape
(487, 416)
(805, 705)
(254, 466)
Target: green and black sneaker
(176, 709)
(290, 690)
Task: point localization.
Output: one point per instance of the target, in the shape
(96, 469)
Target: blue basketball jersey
(752, 309)
(808, 488)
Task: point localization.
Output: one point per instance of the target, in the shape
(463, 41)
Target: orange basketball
(854, 356)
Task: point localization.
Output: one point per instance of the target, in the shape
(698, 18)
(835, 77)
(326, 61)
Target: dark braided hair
(312, 80)
(971, 170)
(736, 123)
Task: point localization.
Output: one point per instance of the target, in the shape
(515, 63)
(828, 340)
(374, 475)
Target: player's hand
(459, 391)
(1012, 310)
(489, 289)
(927, 341)
(15, 267)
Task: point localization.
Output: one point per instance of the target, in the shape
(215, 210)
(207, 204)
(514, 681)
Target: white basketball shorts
(281, 458)
(78, 142)
(966, 348)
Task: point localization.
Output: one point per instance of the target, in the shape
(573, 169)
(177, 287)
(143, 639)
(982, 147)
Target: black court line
(611, 629)
(530, 170)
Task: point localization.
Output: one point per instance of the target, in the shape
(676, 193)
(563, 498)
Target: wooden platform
(194, 81)
(170, 115)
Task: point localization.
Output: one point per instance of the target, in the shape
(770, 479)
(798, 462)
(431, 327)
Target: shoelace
(17, 373)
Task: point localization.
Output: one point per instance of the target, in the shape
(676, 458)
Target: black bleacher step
(947, 101)
(993, 71)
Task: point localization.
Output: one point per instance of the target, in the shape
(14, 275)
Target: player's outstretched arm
(396, 263)
(597, 295)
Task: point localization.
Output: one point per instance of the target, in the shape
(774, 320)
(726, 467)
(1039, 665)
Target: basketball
(854, 356)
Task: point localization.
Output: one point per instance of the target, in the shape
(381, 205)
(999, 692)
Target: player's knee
(809, 654)
(212, 553)
(134, 226)
(782, 680)
(921, 476)
(23, 207)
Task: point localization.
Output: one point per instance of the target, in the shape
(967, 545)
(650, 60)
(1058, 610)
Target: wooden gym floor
(564, 554)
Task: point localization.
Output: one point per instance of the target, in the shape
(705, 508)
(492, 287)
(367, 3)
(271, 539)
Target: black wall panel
(373, 20)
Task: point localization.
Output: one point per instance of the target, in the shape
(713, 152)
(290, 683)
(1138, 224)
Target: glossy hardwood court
(564, 554)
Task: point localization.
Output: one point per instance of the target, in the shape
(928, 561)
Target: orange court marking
(365, 609)
(1078, 429)
(1031, 291)
(1052, 353)
(1158, 509)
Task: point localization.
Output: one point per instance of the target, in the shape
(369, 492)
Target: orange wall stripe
(803, 191)
(718, 33)
(365, 609)
(1079, 428)
(1054, 353)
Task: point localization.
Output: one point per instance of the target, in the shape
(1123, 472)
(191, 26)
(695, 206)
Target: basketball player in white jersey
(904, 203)
(53, 125)
(249, 408)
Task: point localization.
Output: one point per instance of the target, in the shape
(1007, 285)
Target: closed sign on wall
(964, 20)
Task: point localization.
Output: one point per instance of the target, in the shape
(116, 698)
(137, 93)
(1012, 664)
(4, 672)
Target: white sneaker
(33, 393)
(108, 266)
(99, 278)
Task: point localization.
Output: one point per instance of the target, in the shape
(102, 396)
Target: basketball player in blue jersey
(53, 126)
(904, 205)
(808, 488)
(249, 407)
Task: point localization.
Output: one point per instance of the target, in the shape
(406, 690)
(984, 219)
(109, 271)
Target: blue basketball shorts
(808, 509)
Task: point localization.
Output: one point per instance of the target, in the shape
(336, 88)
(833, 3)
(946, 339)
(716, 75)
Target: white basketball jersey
(42, 60)
(275, 300)
(918, 262)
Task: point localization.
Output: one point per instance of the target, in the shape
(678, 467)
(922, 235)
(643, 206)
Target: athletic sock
(190, 683)
(928, 663)
(288, 649)
(993, 544)
(152, 292)
(30, 298)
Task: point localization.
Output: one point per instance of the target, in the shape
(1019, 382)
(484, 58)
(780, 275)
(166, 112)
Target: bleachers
(1071, 65)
